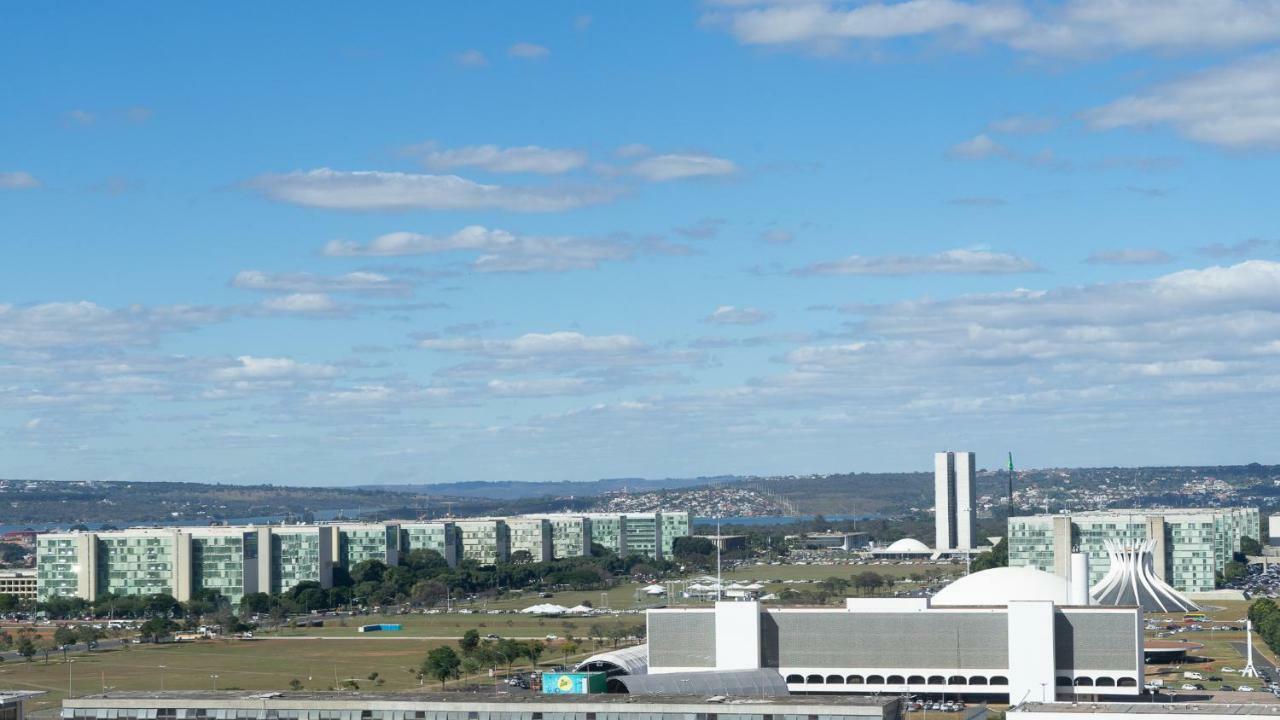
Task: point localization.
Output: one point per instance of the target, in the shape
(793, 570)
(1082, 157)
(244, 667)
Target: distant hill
(561, 489)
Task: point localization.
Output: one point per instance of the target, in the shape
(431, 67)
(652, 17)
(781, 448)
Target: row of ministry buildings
(235, 561)
(1192, 545)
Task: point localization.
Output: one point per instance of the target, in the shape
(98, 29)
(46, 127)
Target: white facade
(954, 495)
(1023, 649)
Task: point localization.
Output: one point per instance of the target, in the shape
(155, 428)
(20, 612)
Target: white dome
(998, 586)
(908, 545)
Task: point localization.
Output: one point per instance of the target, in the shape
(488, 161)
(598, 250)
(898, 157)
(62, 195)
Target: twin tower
(954, 495)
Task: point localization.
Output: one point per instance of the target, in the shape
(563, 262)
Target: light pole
(215, 680)
(69, 678)
(162, 678)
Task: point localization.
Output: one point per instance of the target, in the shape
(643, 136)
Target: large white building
(1008, 632)
(954, 495)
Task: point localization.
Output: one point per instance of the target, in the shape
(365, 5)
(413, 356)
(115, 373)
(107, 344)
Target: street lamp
(69, 677)
(162, 667)
(215, 680)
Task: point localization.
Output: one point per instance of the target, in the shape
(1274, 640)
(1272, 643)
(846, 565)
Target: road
(77, 648)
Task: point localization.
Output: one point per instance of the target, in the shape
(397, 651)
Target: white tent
(655, 590)
(580, 610)
(546, 609)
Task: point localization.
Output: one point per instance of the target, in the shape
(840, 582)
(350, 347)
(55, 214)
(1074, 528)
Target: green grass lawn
(453, 625)
(764, 573)
(266, 664)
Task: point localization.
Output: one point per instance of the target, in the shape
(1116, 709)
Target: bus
(1194, 617)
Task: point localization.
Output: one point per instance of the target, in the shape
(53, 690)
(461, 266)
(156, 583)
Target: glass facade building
(441, 537)
(1193, 544)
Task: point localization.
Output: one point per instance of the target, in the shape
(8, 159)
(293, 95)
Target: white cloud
(787, 23)
(376, 190)
(677, 166)
(539, 344)
(610, 357)
(528, 51)
(777, 236)
(1074, 27)
(360, 282)
(301, 303)
(1243, 248)
(1236, 106)
(733, 315)
(526, 159)
(248, 367)
(1022, 125)
(18, 180)
(499, 250)
(542, 387)
(1129, 256)
(582, 22)
(978, 147)
(471, 58)
(976, 262)
(87, 324)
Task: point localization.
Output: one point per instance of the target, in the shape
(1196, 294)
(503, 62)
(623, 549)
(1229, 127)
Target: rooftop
(1153, 708)
(180, 698)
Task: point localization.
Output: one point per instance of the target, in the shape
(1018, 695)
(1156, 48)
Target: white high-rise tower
(953, 489)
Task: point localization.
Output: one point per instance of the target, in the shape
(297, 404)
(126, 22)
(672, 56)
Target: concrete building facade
(440, 536)
(954, 495)
(1024, 650)
(18, 583)
(1192, 545)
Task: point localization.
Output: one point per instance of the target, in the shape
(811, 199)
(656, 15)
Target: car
(1226, 688)
(1215, 678)
(494, 636)
(1188, 686)
(1244, 688)
(553, 637)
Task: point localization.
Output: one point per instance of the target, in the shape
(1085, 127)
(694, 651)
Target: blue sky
(489, 241)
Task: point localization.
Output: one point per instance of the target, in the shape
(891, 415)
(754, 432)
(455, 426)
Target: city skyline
(296, 245)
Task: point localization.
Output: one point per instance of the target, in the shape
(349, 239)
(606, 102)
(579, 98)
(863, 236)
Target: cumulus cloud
(526, 159)
(983, 146)
(360, 282)
(317, 303)
(556, 352)
(1240, 249)
(678, 166)
(248, 367)
(975, 262)
(18, 180)
(1129, 256)
(376, 190)
(1023, 125)
(498, 250)
(1075, 27)
(87, 324)
(528, 51)
(1235, 106)
(733, 315)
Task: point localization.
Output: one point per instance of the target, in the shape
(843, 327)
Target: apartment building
(441, 536)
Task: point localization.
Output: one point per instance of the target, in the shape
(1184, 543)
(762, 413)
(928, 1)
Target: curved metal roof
(632, 660)
(736, 683)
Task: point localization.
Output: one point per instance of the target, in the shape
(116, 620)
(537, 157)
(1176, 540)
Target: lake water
(780, 519)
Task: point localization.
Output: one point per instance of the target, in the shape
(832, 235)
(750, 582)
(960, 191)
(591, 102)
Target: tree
(156, 628)
(692, 549)
(1250, 547)
(26, 648)
(868, 581)
(442, 663)
(998, 556)
(428, 593)
(521, 557)
(1233, 570)
(255, 603)
(295, 684)
(9, 603)
(64, 635)
(533, 651)
(368, 571)
(470, 641)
